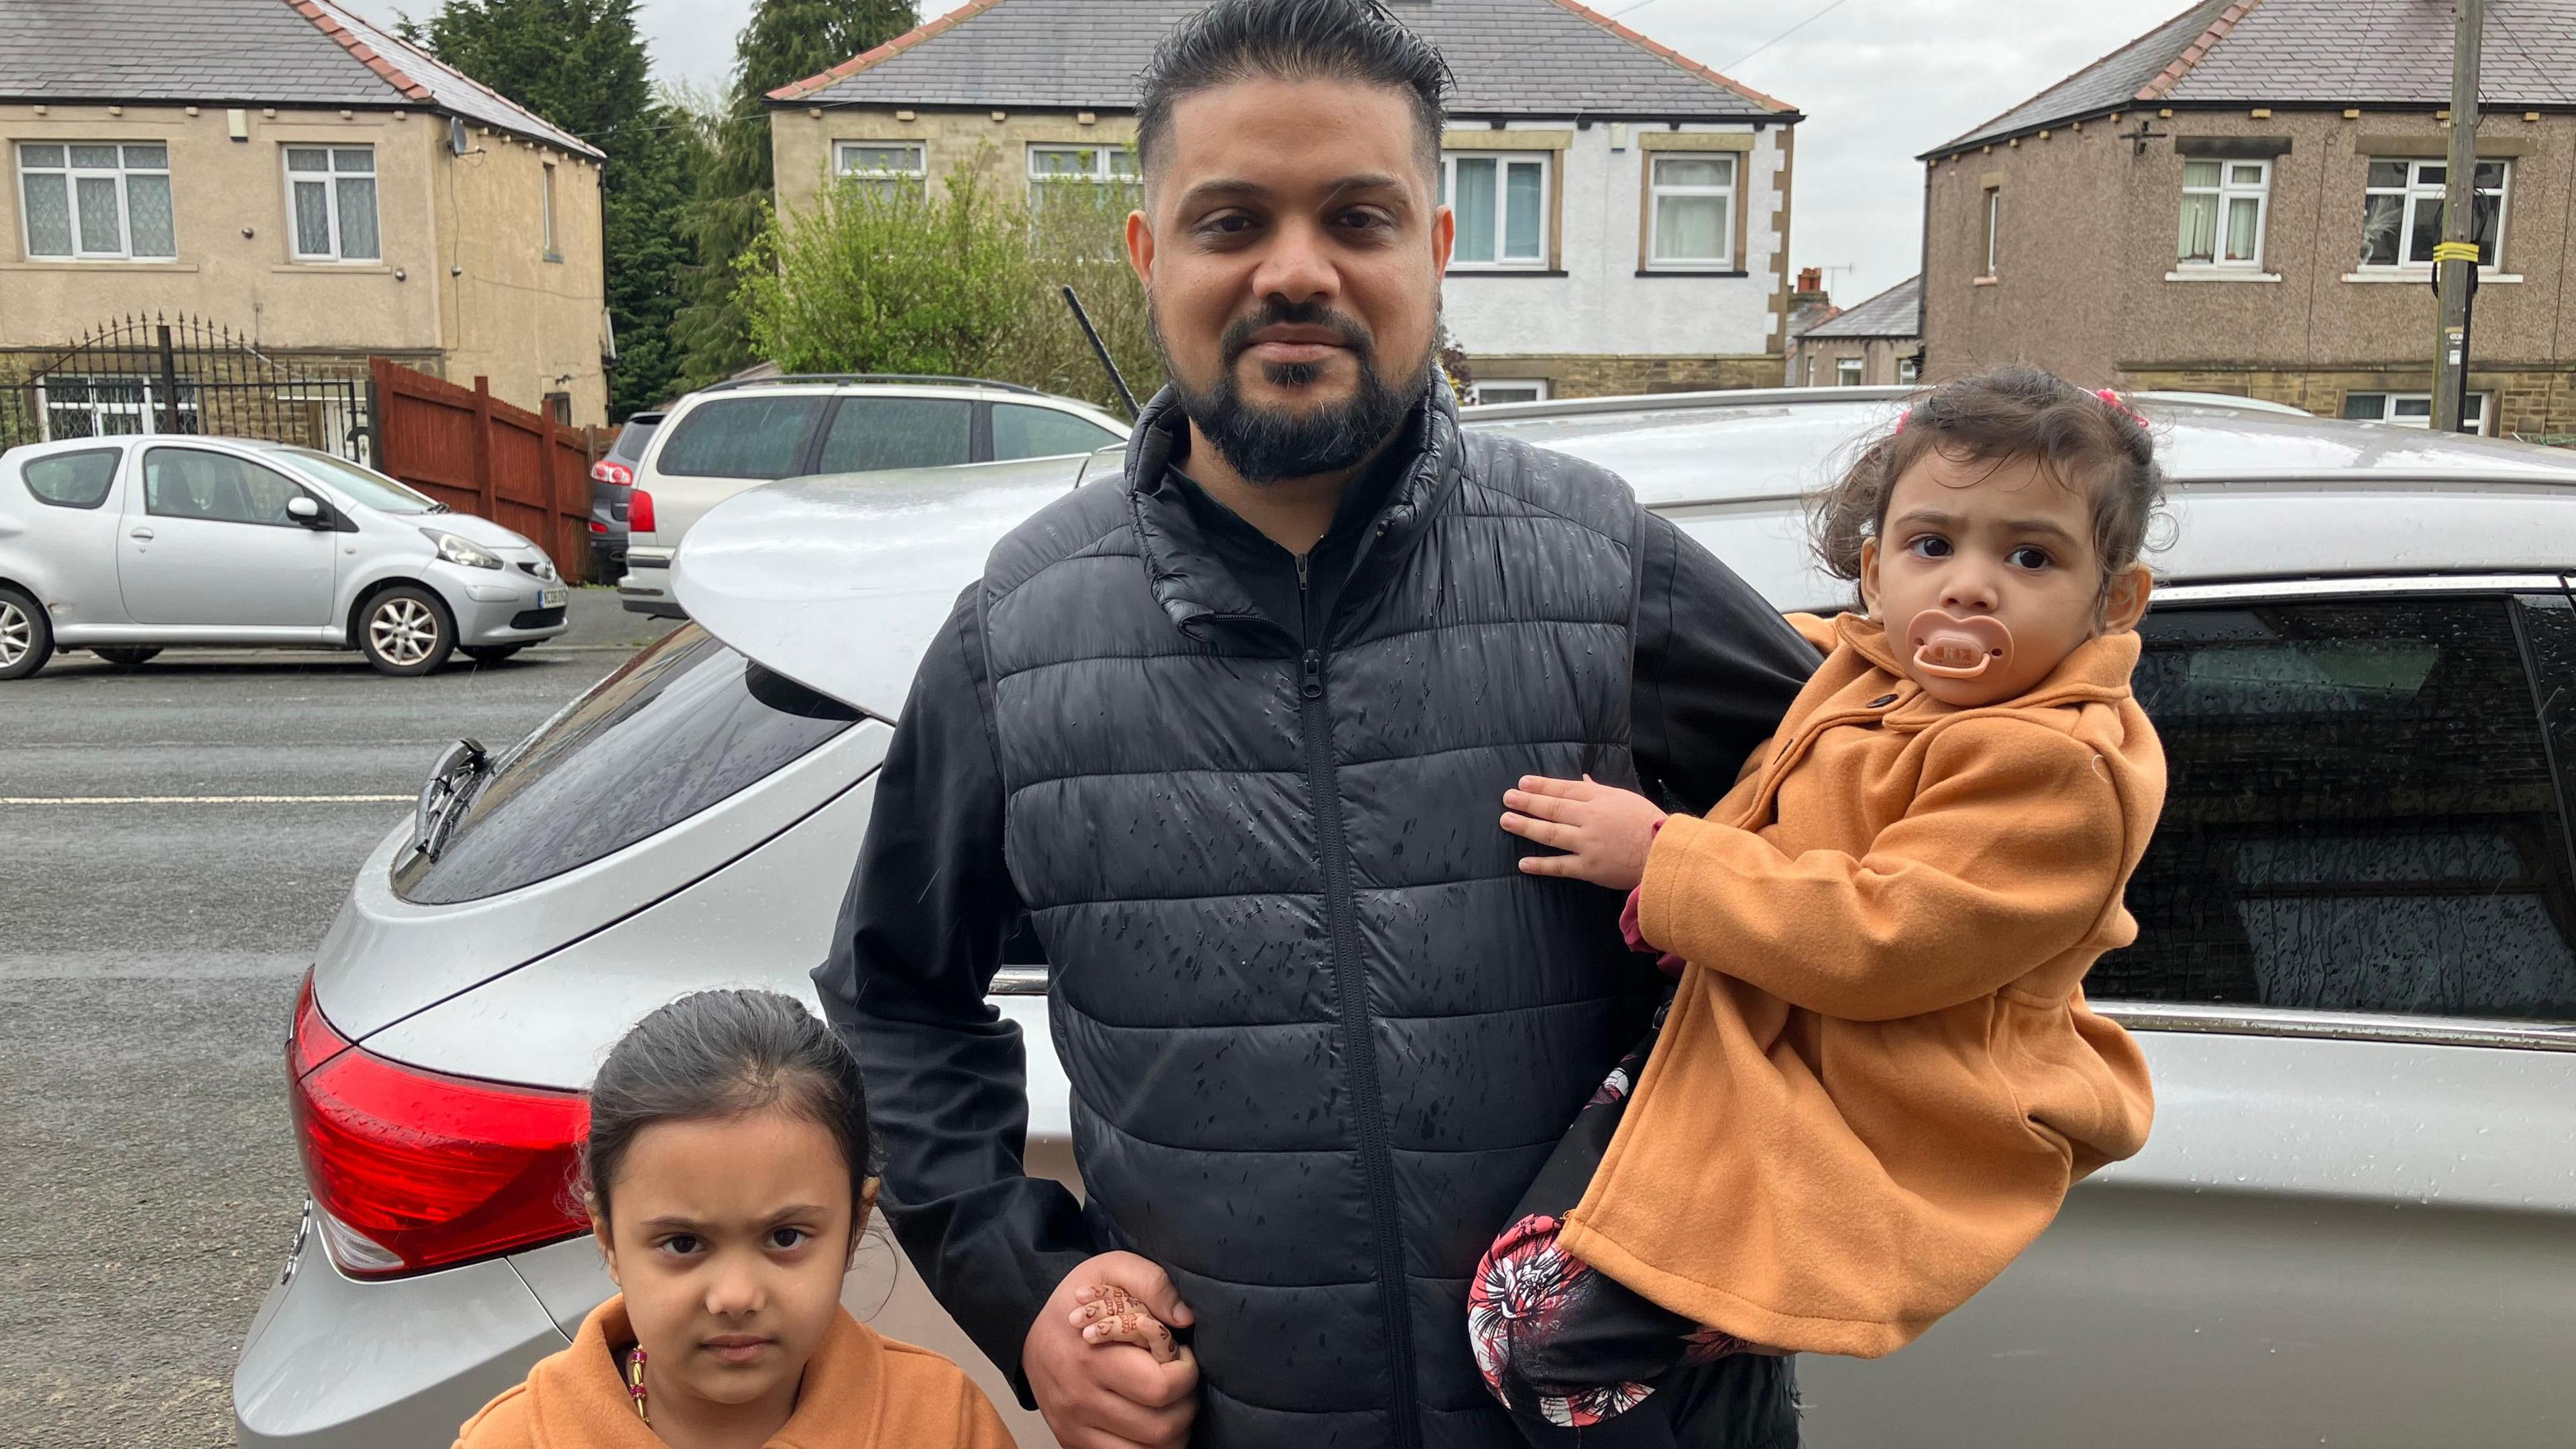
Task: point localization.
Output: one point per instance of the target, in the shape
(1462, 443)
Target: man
(1233, 733)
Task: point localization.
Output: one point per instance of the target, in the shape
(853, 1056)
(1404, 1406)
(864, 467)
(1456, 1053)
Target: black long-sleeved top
(922, 928)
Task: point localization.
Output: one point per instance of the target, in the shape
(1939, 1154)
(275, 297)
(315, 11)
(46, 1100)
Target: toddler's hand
(1109, 1315)
(1604, 831)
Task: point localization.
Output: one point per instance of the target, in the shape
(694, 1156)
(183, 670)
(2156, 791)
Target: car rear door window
(194, 483)
(684, 725)
(869, 433)
(1022, 431)
(2361, 815)
(740, 437)
(72, 480)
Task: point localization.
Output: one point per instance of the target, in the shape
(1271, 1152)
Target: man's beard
(1265, 445)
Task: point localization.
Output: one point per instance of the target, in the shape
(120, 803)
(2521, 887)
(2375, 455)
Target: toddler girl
(728, 1170)
(1877, 1076)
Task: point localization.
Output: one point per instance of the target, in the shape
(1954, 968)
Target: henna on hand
(1111, 1315)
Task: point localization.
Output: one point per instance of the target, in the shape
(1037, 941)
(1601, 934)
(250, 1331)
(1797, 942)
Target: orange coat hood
(1880, 1087)
(861, 1391)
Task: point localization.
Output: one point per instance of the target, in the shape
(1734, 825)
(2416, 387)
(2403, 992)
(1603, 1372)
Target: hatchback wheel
(26, 635)
(126, 656)
(491, 653)
(406, 630)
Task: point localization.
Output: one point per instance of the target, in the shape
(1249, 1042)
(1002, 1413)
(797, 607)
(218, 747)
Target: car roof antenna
(1100, 350)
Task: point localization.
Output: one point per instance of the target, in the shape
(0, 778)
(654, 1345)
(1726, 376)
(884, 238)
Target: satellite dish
(458, 142)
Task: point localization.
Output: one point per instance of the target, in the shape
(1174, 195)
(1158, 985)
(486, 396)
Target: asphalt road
(149, 955)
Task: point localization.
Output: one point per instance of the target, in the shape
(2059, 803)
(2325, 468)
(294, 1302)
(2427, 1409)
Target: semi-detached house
(2246, 199)
(1623, 211)
(307, 182)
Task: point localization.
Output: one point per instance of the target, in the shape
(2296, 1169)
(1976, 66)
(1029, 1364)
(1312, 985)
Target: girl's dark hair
(715, 1054)
(1292, 40)
(2080, 439)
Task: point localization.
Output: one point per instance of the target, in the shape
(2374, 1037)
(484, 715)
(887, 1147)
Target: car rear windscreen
(638, 431)
(683, 726)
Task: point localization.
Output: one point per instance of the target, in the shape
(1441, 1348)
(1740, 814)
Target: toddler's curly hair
(2091, 442)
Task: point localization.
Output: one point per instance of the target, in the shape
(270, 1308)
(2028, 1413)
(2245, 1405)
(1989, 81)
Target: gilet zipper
(1350, 990)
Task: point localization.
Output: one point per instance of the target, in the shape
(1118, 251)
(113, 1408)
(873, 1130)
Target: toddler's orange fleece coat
(1879, 1088)
(861, 1391)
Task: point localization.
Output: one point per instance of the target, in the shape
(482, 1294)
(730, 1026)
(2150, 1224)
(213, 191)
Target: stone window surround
(1554, 144)
(1651, 142)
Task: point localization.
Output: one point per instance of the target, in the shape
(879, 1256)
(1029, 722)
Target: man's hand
(1110, 1395)
(1604, 831)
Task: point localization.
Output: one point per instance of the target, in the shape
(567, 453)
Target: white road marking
(203, 799)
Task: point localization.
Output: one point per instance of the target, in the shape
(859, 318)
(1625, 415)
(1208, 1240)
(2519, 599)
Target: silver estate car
(2355, 1223)
(125, 545)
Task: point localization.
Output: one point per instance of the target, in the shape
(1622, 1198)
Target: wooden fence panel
(479, 455)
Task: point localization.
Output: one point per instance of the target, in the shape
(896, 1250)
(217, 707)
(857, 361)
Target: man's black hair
(1292, 40)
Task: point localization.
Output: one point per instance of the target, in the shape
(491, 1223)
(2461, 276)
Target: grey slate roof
(1896, 312)
(2310, 52)
(214, 52)
(1510, 57)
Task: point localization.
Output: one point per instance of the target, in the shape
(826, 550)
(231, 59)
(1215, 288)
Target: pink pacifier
(1949, 647)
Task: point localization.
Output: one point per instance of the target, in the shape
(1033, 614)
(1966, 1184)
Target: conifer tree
(786, 40)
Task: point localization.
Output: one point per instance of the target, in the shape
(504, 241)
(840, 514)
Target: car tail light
(609, 470)
(639, 511)
(413, 1170)
(598, 527)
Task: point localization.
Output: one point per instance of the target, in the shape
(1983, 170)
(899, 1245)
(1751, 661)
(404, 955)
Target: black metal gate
(182, 375)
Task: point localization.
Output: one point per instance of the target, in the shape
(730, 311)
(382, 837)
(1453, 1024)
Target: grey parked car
(2355, 1223)
(126, 545)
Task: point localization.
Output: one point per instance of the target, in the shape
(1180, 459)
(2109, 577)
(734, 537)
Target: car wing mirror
(307, 512)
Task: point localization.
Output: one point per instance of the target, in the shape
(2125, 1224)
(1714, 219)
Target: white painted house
(1623, 212)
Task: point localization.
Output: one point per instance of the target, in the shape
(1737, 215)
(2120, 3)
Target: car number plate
(551, 599)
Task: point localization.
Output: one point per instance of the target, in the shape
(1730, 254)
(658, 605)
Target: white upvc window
(2401, 211)
(1994, 229)
(2224, 206)
(546, 204)
(331, 204)
(884, 169)
(96, 202)
(1511, 390)
(2411, 409)
(1847, 371)
(1500, 201)
(1909, 370)
(1691, 200)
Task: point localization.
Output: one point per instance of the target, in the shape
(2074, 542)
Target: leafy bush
(884, 276)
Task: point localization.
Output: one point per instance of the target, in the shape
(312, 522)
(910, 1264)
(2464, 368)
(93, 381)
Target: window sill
(1692, 272)
(92, 264)
(1984, 281)
(1505, 272)
(2220, 274)
(2423, 276)
(346, 269)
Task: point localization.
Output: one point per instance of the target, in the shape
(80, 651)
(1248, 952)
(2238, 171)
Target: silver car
(126, 545)
(2356, 1220)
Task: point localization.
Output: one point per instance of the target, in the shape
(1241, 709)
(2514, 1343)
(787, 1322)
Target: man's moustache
(1346, 330)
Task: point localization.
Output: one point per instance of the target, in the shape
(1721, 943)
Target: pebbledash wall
(1597, 320)
(465, 286)
(2086, 280)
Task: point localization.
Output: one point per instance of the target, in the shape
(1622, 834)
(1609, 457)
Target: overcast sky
(1878, 80)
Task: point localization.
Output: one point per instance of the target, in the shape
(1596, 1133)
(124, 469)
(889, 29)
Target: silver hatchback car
(125, 545)
(2355, 1223)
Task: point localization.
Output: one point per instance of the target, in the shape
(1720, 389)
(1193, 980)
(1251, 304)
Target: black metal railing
(181, 375)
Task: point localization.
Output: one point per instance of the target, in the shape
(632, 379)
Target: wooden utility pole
(2455, 258)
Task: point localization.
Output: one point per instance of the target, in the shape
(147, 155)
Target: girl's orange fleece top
(861, 1391)
(1880, 1087)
